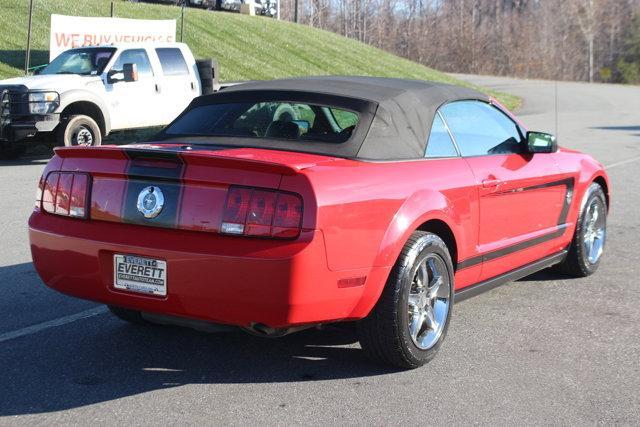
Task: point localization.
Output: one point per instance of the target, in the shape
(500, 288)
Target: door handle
(157, 88)
(491, 183)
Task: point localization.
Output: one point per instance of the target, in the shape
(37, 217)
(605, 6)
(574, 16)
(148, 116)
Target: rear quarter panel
(367, 211)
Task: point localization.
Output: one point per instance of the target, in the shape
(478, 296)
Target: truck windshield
(264, 120)
(85, 61)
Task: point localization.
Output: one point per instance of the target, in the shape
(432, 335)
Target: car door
(522, 196)
(448, 166)
(133, 104)
(178, 86)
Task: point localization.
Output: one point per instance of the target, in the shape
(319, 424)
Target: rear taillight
(288, 215)
(262, 213)
(65, 193)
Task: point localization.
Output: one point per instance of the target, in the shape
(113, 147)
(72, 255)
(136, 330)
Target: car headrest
(283, 129)
(101, 62)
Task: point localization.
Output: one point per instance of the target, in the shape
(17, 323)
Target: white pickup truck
(86, 93)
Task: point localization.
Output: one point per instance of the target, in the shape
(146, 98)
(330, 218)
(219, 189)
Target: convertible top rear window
(368, 118)
(292, 121)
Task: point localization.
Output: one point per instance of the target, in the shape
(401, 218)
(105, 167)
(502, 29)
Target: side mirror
(130, 72)
(540, 142)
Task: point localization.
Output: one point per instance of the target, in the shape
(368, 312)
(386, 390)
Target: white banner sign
(76, 31)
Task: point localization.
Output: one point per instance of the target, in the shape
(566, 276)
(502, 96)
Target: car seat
(283, 129)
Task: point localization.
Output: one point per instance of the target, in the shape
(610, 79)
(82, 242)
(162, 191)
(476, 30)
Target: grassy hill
(246, 47)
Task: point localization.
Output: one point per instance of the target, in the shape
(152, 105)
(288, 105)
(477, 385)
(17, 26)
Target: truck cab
(88, 92)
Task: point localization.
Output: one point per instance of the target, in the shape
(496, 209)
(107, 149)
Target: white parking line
(622, 162)
(52, 323)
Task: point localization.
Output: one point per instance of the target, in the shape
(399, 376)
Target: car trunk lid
(193, 181)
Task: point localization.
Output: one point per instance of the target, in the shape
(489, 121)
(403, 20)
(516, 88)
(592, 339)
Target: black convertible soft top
(395, 114)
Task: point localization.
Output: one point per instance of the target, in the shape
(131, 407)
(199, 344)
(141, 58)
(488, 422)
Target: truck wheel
(410, 320)
(79, 130)
(589, 239)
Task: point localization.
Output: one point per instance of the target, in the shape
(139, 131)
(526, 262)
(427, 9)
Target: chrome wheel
(428, 302)
(82, 136)
(595, 230)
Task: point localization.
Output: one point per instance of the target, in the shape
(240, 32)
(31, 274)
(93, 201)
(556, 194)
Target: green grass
(246, 47)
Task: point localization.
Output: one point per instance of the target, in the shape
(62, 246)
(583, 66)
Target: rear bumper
(220, 279)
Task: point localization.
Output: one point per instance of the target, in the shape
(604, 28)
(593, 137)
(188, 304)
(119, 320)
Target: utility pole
(295, 11)
(113, 9)
(28, 52)
(182, 23)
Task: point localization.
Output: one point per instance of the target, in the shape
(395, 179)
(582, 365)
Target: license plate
(138, 274)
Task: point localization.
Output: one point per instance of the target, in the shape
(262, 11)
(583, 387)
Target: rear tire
(589, 238)
(79, 130)
(410, 320)
(127, 315)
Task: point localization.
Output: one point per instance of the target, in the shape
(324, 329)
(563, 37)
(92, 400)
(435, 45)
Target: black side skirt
(510, 276)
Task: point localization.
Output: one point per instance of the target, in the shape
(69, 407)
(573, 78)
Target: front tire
(410, 320)
(79, 130)
(589, 239)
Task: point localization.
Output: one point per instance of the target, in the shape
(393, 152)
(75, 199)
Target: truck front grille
(13, 100)
(5, 104)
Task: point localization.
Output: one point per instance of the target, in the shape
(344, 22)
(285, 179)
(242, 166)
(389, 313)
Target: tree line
(590, 40)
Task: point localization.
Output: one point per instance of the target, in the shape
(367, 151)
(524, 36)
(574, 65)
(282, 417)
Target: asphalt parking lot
(542, 350)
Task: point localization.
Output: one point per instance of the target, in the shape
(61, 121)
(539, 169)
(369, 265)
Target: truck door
(179, 85)
(134, 104)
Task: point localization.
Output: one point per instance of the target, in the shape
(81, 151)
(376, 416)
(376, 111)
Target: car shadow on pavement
(549, 274)
(102, 358)
(628, 128)
(621, 128)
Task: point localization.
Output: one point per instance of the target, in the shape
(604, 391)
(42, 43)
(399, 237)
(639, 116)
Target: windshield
(87, 61)
(271, 119)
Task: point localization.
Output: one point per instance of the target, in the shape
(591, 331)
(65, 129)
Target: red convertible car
(281, 205)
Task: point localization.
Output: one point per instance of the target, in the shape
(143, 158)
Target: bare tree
(586, 14)
(570, 39)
